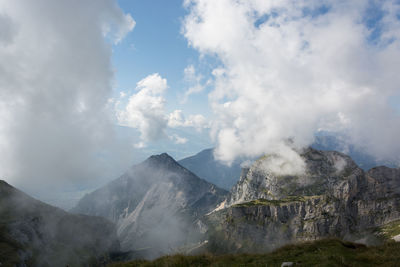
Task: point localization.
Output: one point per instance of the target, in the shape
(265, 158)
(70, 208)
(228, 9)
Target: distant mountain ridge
(33, 233)
(155, 205)
(205, 166)
(361, 158)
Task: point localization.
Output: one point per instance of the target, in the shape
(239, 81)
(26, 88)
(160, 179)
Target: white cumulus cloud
(289, 68)
(146, 108)
(146, 112)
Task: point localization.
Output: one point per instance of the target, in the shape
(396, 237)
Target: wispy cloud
(178, 139)
(194, 80)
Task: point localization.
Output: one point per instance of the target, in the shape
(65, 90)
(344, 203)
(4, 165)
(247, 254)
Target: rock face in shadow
(155, 205)
(332, 198)
(33, 233)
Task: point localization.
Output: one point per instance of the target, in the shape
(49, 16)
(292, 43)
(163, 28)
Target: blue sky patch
(316, 12)
(261, 20)
(372, 19)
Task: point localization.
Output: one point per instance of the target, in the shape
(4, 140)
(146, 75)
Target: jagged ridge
(334, 197)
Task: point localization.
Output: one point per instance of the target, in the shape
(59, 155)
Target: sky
(178, 36)
(87, 88)
(155, 46)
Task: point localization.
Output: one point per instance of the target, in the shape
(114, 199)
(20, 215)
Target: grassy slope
(328, 252)
(265, 202)
(389, 230)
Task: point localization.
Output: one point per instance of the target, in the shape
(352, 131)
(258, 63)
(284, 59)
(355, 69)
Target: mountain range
(160, 207)
(204, 165)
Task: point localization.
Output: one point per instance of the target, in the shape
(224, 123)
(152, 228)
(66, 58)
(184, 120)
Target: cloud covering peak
(291, 68)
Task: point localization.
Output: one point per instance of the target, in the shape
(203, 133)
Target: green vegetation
(266, 202)
(390, 230)
(329, 252)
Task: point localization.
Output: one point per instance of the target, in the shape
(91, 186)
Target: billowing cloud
(55, 82)
(146, 108)
(290, 68)
(146, 112)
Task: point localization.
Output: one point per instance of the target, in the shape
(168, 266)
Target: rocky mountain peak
(161, 158)
(332, 197)
(154, 204)
(314, 173)
(161, 162)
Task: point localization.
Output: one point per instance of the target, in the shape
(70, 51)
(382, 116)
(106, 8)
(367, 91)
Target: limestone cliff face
(324, 172)
(379, 201)
(332, 197)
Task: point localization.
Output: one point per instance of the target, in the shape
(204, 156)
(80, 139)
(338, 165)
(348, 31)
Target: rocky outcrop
(324, 172)
(332, 197)
(204, 165)
(379, 201)
(155, 205)
(33, 233)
